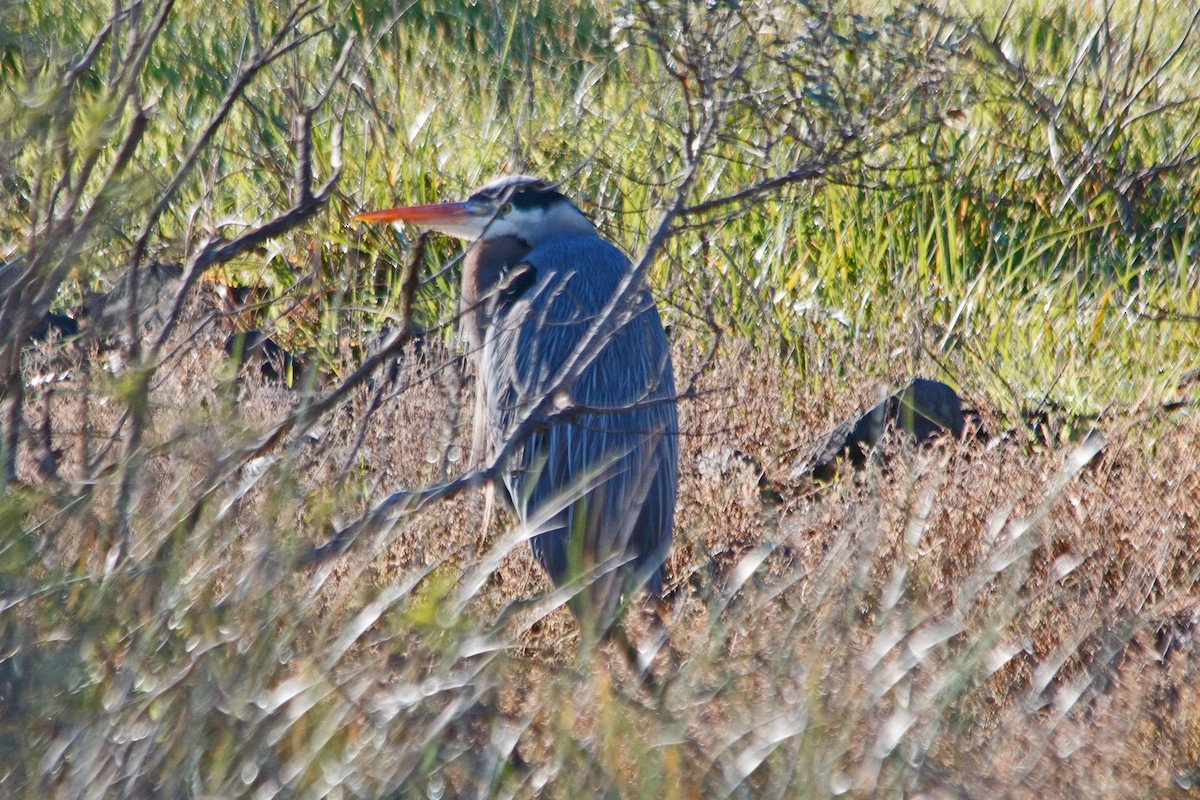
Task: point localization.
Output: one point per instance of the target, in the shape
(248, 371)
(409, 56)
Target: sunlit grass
(986, 619)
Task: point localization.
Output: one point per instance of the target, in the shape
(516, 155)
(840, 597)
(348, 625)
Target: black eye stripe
(525, 194)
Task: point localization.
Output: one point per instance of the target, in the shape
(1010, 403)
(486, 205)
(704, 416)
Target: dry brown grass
(987, 618)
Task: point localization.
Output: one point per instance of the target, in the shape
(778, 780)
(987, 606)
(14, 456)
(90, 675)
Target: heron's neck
(483, 267)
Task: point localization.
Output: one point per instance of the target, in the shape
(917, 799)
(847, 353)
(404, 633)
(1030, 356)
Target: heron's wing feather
(619, 451)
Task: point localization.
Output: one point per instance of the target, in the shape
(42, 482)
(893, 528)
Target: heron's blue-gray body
(595, 484)
(599, 485)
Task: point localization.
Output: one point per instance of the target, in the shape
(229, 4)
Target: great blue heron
(598, 484)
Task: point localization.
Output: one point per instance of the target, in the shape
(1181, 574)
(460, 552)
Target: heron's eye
(504, 209)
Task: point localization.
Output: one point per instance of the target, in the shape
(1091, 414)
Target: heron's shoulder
(576, 251)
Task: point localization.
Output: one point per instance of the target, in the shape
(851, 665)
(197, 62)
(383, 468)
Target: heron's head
(519, 206)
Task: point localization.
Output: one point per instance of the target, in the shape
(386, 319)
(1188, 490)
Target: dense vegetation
(829, 198)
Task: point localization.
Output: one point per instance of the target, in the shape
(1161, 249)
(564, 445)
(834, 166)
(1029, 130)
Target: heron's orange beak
(460, 220)
(431, 216)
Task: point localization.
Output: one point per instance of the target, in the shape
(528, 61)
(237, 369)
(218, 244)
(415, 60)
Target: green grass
(444, 99)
